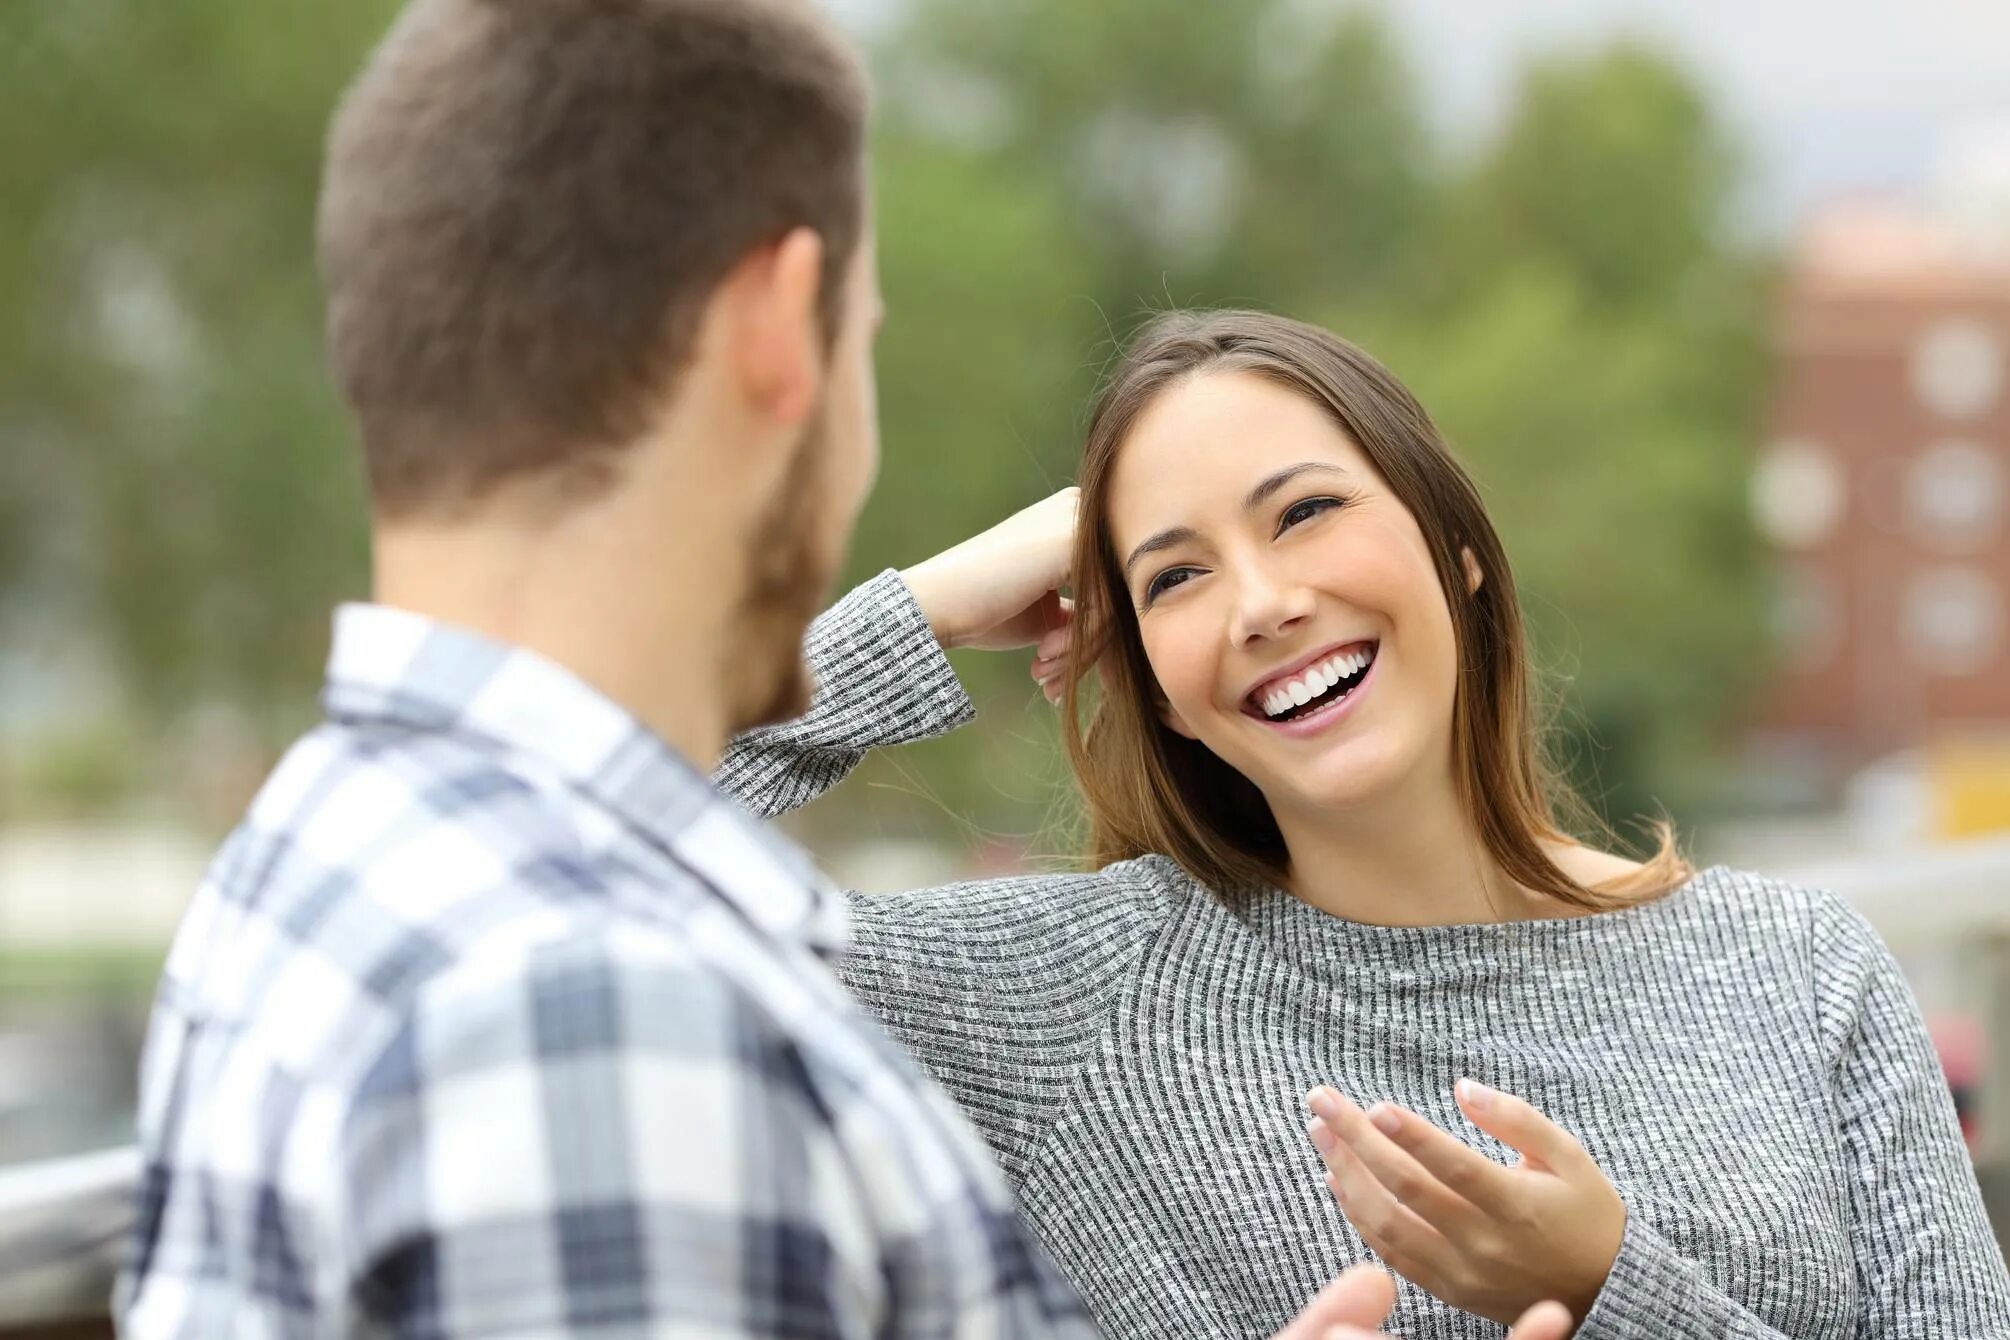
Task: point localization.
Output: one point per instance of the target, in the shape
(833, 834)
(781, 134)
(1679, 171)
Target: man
(493, 1018)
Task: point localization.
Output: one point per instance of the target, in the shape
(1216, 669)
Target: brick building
(1884, 489)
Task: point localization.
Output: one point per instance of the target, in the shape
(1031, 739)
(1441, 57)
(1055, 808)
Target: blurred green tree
(1590, 340)
(159, 336)
(1569, 303)
(1246, 153)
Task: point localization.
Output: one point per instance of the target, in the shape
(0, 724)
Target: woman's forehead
(1201, 446)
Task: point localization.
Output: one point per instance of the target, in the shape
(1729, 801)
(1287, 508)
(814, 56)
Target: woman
(1326, 857)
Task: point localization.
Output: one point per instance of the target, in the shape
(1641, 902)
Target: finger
(1406, 1179)
(1519, 1126)
(1544, 1321)
(1465, 1172)
(1057, 625)
(1360, 1296)
(1395, 1232)
(1049, 617)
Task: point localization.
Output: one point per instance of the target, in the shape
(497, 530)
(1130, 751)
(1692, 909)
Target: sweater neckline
(1302, 931)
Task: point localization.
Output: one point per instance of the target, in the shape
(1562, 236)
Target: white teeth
(1313, 682)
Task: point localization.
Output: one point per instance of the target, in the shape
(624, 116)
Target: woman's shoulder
(1807, 917)
(1032, 907)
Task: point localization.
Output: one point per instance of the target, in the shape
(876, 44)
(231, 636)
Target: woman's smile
(1311, 701)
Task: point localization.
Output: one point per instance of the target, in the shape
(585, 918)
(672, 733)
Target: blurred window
(1954, 496)
(1797, 494)
(1954, 620)
(1957, 368)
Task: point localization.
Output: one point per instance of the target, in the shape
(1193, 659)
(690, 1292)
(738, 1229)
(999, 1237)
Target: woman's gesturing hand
(1490, 1239)
(1001, 589)
(1355, 1304)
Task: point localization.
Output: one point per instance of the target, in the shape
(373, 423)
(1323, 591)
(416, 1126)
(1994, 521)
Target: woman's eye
(1165, 582)
(1305, 511)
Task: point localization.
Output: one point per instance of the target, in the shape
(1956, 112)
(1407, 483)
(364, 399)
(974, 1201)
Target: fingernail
(1385, 1118)
(1320, 1134)
(1321, 1101)
(1475, 1095)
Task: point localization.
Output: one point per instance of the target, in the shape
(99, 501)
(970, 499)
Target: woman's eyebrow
(1269, 484)
(1265, 487)
(1165, 539)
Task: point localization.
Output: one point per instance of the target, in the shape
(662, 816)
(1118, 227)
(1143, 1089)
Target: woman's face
(1287, 601)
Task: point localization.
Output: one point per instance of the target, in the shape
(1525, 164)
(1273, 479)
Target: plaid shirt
(495, 1018)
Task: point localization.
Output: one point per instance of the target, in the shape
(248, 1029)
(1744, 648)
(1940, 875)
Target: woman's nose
(1268, 607)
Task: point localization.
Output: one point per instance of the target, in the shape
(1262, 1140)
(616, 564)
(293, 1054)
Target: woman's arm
(877, 656)
(1927, 1262)
(1489, 1238)
(1000, 988)
(881, 678)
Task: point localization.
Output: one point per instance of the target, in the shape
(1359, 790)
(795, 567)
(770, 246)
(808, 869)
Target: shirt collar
(396, 667)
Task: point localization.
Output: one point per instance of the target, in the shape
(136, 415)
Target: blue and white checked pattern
(495, 1018)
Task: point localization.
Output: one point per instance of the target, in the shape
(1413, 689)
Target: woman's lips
(1327, 715)
(1256, 691)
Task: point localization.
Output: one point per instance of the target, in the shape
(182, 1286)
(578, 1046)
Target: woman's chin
(1354, 775)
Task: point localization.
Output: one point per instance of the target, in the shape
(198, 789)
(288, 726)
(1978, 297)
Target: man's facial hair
(786, 585)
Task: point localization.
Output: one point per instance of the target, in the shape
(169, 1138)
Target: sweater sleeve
(1927, 1262)
(881, 679)
(998, 987)
(1001, 988)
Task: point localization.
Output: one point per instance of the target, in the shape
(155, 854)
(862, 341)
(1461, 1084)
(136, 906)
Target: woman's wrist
(922, 582)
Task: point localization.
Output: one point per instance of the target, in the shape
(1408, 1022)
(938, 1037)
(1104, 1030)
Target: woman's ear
(1474, 577)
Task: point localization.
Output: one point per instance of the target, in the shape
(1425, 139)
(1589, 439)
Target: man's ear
(772, 327)
(1474, 577)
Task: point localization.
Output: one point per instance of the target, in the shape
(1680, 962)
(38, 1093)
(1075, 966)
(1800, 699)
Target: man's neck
(578, 596)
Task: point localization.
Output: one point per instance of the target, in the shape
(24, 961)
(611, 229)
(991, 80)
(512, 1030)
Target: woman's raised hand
(1001, 589)
(1490, 1239)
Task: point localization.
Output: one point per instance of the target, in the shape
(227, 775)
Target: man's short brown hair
(528, 203)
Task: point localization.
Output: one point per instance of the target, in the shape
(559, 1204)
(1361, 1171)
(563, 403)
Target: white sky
(1829, 96)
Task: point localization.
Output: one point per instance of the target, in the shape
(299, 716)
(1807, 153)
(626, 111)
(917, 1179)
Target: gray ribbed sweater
(1742, 1058)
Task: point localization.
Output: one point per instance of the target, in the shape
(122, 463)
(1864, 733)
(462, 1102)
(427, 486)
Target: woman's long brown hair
(1149, 790)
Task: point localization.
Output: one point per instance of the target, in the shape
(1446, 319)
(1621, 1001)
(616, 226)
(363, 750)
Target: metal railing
(63, 1225)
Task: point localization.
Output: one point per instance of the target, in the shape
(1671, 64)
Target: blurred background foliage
(1568, 297)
